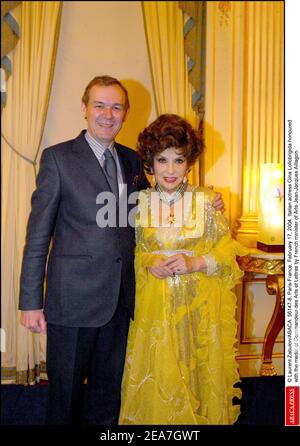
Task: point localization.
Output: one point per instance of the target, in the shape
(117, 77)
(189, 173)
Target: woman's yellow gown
(180, 363)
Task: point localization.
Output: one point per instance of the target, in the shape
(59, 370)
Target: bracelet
(211, 264)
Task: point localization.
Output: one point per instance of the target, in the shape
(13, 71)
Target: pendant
(171, 219)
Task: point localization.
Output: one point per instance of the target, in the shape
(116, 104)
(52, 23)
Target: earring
(153, 182)
(185, 178)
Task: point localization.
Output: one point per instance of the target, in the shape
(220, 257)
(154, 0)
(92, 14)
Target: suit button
(118, 260)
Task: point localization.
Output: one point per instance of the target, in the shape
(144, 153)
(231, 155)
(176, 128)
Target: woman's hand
(160, 270)
(183, 264)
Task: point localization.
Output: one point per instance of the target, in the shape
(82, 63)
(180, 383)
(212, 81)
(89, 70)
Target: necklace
(177, 195)
(170, 201)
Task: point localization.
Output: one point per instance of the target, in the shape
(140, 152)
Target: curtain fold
(164, 24)
(244, 103)
(23, 120)
(9, 39)
(195, 49)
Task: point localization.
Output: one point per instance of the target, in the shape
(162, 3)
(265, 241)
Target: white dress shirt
(99, 150)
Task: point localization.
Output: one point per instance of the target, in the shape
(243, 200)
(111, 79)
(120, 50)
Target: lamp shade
(271, 208)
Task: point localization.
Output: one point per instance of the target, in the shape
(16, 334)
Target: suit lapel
(88, 161)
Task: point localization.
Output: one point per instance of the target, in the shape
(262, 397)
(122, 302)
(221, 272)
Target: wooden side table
(271, 264)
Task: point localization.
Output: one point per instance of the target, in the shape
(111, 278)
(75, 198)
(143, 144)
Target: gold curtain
(164, 22)
(23, 122)
(263, 132)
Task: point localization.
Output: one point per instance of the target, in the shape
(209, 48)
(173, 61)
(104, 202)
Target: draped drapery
(9, 38)
(195, 49)
(23, 120)
(244, 103)
(263, 111)
(164, 25)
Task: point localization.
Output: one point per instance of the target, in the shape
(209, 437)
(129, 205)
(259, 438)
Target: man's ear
(83, 109)
(126, 114)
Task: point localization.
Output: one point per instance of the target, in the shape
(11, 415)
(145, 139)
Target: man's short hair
(104, 81)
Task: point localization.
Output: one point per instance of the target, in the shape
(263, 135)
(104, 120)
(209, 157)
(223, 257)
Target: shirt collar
(93, 143)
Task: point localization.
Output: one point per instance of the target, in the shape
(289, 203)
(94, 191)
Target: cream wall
(102, 37)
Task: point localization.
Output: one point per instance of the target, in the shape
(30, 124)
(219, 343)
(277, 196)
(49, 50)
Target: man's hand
(218, 202)
(34, 320)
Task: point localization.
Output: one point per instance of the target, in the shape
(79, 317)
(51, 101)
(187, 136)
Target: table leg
(275, 285)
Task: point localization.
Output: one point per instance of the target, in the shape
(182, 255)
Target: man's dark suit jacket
(87, 264)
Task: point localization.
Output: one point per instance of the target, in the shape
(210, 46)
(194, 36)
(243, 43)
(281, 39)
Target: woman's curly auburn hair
(167, 131)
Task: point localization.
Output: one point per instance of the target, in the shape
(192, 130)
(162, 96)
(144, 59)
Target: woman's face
(169, 167)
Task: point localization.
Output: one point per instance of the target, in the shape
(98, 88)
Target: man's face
(105, 112)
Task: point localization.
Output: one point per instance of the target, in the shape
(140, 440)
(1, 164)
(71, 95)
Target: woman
(180, 364)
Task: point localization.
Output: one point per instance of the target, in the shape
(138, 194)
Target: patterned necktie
(110, 169)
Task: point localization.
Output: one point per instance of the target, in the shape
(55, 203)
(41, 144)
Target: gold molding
(253, 341)
(225, 10)
(248, 224)
(268, 266)
(247, 230)
(257, 356)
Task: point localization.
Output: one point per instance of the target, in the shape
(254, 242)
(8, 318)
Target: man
(90, 272)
